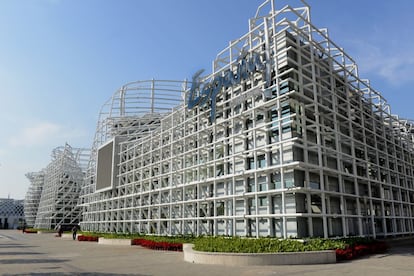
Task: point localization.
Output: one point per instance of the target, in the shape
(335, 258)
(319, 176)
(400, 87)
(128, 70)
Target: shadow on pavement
(404, 246)
(20, 253)
(15, 246)
(30, 261)
(74, 274)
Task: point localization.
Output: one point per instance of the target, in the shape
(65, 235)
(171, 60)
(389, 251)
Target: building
(282, 139)
(62, 181)
(32, 200)
(132, 113)
(11, 213)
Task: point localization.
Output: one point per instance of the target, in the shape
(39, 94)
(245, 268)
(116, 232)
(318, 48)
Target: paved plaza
(45, 254)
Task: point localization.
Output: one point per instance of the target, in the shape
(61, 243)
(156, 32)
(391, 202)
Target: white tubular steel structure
(63, 179)
(283, 139)
(32, 200)
(134, 111)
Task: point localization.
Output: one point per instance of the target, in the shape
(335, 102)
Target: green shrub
(263, 245)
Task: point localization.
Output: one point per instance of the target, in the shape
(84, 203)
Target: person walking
(74, 231)
(60, 230)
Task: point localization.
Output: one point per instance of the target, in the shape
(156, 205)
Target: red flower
(344, 254)
(361, 249)
(88, 238)
(358, 250)
(158, 245)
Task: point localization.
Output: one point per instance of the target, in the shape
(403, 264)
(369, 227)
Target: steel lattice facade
(282, 139)
(63, 179)
(32, 200)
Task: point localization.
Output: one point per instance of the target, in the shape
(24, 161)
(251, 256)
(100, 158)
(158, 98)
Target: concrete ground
(45, 254)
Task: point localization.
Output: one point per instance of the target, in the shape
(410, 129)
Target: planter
(242, 259)
(124, 242)
(30, 231)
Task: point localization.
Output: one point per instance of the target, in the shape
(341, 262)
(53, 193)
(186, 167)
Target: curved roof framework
(133, 111)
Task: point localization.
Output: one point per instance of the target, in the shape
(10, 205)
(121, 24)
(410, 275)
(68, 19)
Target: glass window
(250, 163)
(249, 124)
(289, 179)
(273, 136)
(220, 208)
(273, 115)
(276, 180)
(262, 183)
(263, 201)
(259, 117)
(261, 161)
(251, 187)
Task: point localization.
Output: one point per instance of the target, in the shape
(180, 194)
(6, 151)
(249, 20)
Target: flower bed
(158, 245)
(260, 259)
(264, 245)
(88, 238)
(345, 249)
(30, 231)
(357, 250)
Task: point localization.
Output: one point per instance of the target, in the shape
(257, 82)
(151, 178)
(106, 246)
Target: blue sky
(60, 60)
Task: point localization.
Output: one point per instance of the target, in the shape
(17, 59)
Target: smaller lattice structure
(31, 203)
(63, 178)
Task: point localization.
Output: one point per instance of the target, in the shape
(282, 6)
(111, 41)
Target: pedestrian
(74, 230)
(60, 230)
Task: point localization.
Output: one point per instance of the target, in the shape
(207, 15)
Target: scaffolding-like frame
(32, 199)
(63, 179)
(133, 111)
(316, 152)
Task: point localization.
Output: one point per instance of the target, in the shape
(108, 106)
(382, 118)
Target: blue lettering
(195, 85)
(246, 65)
(216, 85)
(250, 65)
(205, 94)
(260, 66)
(241, 71)
(228, 79)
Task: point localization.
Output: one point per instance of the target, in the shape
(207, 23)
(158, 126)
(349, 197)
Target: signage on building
(202, 93)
